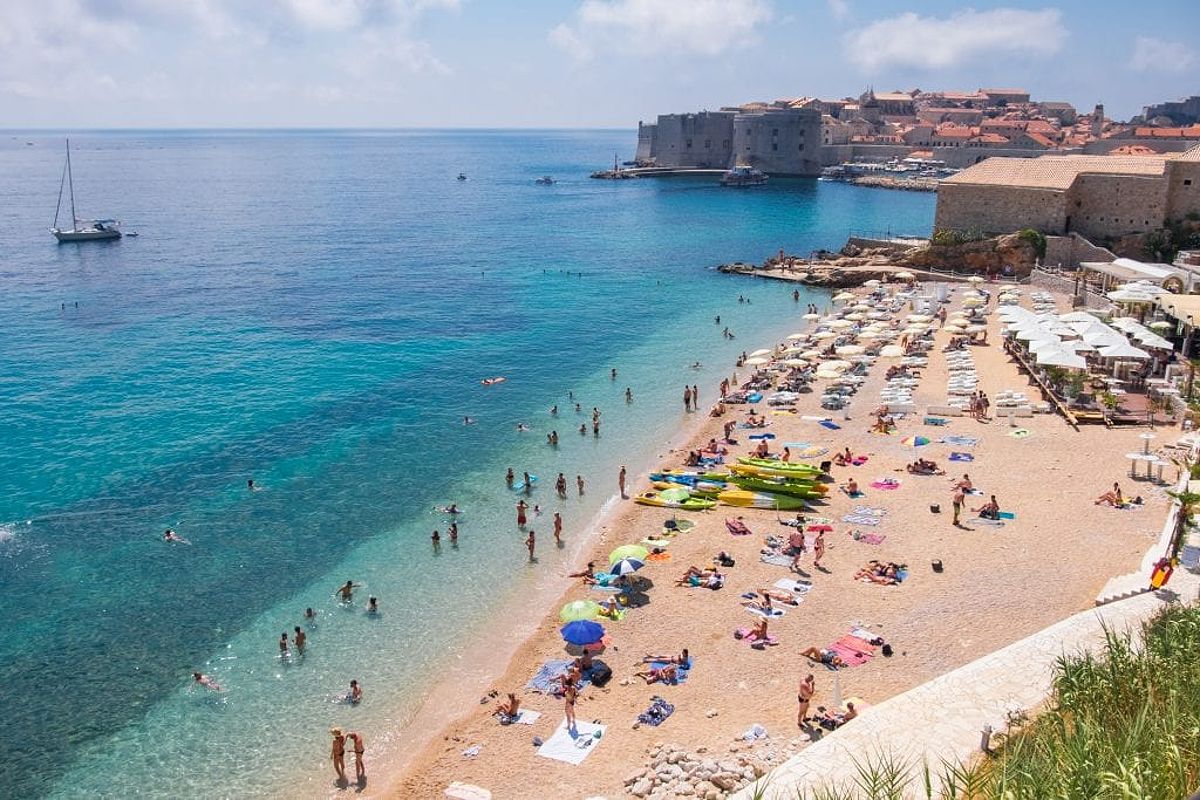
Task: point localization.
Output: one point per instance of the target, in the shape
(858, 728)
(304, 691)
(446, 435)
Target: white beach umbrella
(1057, 357)
(757, 361)
(1036, 345)
(1078, 346)
(1107, 338)
(850, 350)
(834, 364)
(825, 335)
(794, 362)
(811, 317)
(892, 351)
(843, 297)
(971, 293)
(811, 354)
(974, 279)
(855, 317)
(918, 318)
(1034, 332)
(976, 328)
(972, 301)
(795, 337)
(1130, 297)
(873, 282)
(761, 352)
(1078, 316)
(1124, 350)
(842, 324)
(1010, 287)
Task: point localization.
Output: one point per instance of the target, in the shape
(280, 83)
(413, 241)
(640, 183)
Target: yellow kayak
(744, 499)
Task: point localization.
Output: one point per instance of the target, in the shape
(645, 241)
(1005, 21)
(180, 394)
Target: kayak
(690, 504)
(772, 472)
(756, 484)
(779, 465)
(694, 475)
(519, 486)
(745, 499)
(690, 480)
(703, 488)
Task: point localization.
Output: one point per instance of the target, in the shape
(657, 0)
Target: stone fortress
(1103, 197)
(778, 141)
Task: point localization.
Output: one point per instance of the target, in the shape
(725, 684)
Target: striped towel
(776, 560)
(861, 519)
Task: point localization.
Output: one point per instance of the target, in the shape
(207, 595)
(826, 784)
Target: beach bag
(887, 651)
(601, 674)
(937, 565)
(935, 508)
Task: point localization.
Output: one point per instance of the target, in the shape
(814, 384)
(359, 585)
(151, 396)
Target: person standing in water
(373, 606)
(360, 765)
(583, 429)
(347, 591)
(284, 651)
(695, 397)
(338, 753)
(528, 488)
(356, 693)
(621, 481)
(436, 539)
(561, 485)
(579, 484)
(558, 529)
(453, 534)
(614, 373)
(628, 395)
(299, 640)
(687, 398)
(509, 478)
(530, 542)
(250, 485)
(521, 513)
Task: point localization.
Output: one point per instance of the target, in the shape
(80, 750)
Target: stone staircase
(1123, 587)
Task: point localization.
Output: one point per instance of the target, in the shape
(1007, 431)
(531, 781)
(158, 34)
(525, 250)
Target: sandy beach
(998, 585)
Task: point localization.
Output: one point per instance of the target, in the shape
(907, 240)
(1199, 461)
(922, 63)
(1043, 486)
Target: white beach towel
(562, 746)
(527, 717)
(861, 519)
(776, 560)
(758, 612)
(792, 585)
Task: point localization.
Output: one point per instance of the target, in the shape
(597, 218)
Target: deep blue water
(315, 310)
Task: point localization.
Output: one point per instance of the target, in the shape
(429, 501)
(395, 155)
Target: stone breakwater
(854, 265)
(673, 771)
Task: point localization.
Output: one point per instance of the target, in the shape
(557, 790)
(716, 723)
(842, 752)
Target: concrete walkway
(943, 719)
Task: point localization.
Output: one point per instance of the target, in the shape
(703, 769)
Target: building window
(708, 144)
(802, 147)
(1187, 181)
(774, 146)
(688, 144)
(724, 143)
(775, 131)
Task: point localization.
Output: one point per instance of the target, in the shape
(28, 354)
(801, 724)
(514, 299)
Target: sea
(315, 311)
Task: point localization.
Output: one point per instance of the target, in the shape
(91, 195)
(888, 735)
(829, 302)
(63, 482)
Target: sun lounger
(572, 748)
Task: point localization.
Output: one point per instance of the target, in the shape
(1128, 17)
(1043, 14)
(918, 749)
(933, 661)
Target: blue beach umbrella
(626, 566)
(582, 632)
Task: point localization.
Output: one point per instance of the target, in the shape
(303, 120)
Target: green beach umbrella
(635, 551)
(675, 495)
(579, 609)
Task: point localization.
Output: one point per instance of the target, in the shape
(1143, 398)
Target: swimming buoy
(490, 381)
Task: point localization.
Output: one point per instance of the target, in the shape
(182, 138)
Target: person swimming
(373, 606)
(208, 683)
(523, 427)
(468, 420)
(347, 591)
(170, 535)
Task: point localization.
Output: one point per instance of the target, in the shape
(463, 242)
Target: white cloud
(839, 9)
(910, 40)
(1158, 55)
(708, 27)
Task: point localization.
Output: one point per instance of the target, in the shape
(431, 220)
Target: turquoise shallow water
(315, 310)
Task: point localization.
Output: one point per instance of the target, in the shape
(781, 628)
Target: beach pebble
(704, 787)
(641, 788)
(634, 777)
(724, 780)
(712, 712)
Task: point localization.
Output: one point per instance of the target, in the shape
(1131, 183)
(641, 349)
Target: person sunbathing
(762, 450)
(965, 484)
(508, 709)
(822, 656)
(692, 460)
(831, 720)
(923, 467)
(588, 575)
(695, 576)
(883, 424)
(759, 631)
(667, 674)
(878, 572)
(787, 598)
(683, 659)
(756, 422)
(763, 605)
(609, 608)
(989, 510)
(851, 488)
(1113, 498)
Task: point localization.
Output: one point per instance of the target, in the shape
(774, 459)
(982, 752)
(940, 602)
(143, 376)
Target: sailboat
(82, 230)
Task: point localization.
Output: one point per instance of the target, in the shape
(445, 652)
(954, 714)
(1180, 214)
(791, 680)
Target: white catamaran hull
(84, 236)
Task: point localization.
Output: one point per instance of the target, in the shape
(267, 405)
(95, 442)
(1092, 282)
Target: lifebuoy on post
(1162, 573)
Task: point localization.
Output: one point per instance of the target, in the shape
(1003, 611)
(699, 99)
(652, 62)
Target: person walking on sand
(570, 694)
(558, 529)
(818, 549)
(521, 513)
(530, 541)
(360, 765)
(621, 481)
(687, 398)
(804, 695)
(338, 754)
(957, 503)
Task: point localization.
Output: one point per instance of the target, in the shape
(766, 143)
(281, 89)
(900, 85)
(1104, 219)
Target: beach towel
(792, 585)
(1021, 433)
(524, 717)
(658, 711)
(885, 483)
(861, 519)
(798, 445)
(745, 635)
(658, 556)
(607, 589)
(850, 653)
(961, 441)
(776, 560)
(572, 748)
(856, 643)
(936, 421)
(762, 436)
(869, 511)
(868, 538)
(1006, 514)
(833, 426)
(737, 528)
(867, 636)
(995, 523)
(546, 680)
(655, 542)
(853, 495)
(858, 461)
(781, 413)
(956, 456)
(774, 614)
(681, 672)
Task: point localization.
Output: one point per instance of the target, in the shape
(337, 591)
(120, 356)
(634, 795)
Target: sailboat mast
(61, 184)
(71, 184)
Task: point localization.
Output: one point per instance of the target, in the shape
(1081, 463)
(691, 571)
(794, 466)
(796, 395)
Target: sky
(560, 63)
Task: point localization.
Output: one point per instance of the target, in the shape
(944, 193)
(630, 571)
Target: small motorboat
(462, 176)
(545, 180)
